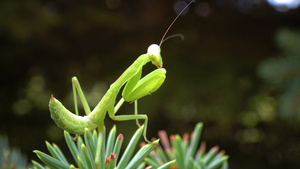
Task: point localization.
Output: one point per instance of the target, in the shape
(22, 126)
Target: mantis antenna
(172, 36)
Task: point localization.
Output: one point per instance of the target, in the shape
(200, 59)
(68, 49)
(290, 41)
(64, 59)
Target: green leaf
(72, 167)
(167, 165)
(142, 154)
(91, 148)
(208, 157)
(60, 153)
(118, 146)
(72, 147)
(218, 162)
(141, 166)
(56, 154)
(194, 142)
(37, 165)
(130, 148)
(151, 162)
(176, 142)
(50, 161)
(80, 163)
(99, 163)
(110, 141)
(88, 157)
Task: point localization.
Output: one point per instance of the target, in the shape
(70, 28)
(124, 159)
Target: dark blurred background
(237, 70)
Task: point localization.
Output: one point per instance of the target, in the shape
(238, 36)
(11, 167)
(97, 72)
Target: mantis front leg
(134, 90)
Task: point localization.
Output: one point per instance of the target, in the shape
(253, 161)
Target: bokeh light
(284, 5)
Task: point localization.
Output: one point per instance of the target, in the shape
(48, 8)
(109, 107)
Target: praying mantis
(135, 88)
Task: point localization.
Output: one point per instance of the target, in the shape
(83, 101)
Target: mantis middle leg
(135, 116)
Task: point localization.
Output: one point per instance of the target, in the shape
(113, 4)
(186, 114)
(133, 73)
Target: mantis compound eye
(154, 49)
(154, 55)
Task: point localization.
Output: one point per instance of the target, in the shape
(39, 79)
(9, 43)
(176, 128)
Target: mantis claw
(74, 138)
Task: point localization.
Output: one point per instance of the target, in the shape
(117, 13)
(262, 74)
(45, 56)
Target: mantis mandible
(134, 89)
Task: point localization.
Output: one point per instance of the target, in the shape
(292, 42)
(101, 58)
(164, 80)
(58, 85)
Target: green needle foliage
(284, 72)
(186, 154)
(94, 152)
(11, 158)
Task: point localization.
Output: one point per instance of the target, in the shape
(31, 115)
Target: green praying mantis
(135, 88)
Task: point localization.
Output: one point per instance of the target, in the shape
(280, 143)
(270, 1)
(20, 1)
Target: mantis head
(154, 55)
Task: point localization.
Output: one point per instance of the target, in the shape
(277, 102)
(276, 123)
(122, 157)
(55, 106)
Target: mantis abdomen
(69, 121)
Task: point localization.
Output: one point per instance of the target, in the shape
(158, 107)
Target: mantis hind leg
(77, 89)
